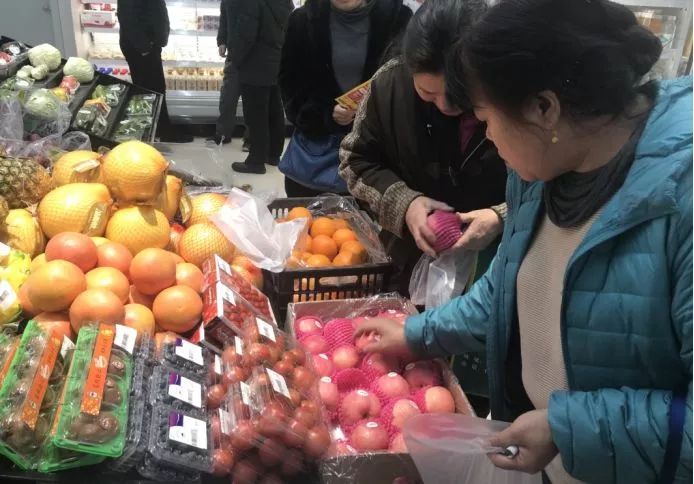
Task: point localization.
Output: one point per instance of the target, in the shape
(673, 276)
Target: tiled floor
(214, 163)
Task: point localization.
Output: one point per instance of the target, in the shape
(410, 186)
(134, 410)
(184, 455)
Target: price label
(226, 294)
(67, 346)
(217, 365)
(225, 421)
(279, 384)
(7, 296)
(188, 430)
(185, 390)
(189, 351)
(245, 394)
(222, 265)
(125, 338)
(238, 345)
(265, 329)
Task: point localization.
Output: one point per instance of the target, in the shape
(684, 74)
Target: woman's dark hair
(590, 53)
(433, 31)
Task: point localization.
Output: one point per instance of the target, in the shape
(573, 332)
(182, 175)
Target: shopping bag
(435, 281)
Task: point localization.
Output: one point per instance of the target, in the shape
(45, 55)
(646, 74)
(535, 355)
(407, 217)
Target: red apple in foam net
(314, 344)
(322, 365)
(403, 410)
(420, 374)
(328, 393)
(398, 444)
(308, 325)
(369, 436)
(345, 356)
(392, 385)
(358, 405)
(381, 364)
(438, 400)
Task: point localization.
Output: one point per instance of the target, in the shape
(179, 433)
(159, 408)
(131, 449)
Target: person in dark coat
(144, 31)
(256, 35)
(313, 75)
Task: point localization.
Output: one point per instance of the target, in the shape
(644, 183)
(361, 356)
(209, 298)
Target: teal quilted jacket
(626, 316)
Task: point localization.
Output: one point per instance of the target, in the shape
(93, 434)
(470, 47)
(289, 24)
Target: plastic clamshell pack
(217, 270)
(185, 356)
(225, 313)
(8, 347)
(178, 389)
(180, 439)
(151, 469)
(94, 417)
(138, 422)
(453, 448)
(29, 396)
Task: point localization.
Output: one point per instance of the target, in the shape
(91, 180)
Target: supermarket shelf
(170, 3)
(682, 4)
(167, 63)
(188, 33)
(101, 30)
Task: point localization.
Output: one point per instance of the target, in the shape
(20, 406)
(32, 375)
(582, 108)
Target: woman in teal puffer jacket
(586, 311)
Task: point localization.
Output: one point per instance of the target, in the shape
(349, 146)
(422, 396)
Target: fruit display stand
(373, 466)
(305, 284)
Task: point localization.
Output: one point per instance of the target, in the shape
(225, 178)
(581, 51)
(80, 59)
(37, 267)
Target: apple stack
(276, 426)
(368, 396)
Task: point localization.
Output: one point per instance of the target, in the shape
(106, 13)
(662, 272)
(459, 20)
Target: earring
(555, 138)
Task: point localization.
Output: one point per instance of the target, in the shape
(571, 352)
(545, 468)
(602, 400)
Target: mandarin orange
(323, 226)
(322, 244)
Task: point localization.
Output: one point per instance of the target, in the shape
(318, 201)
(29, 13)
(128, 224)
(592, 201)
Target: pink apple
(392, 385)
(380, 364)
(322, 365)
(345, 356)
(308, 325)
(328, 393)
(403, 409)
(438, 400)
(358, 405)
(314, 344)
(398, 444)
(421, 374)
(369, 436)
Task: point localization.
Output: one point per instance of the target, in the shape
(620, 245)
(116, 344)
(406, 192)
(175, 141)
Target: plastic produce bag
(247, 222)
(11, 122)
(436, 281)
(453, 448)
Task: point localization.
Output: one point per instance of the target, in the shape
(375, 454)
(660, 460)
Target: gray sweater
(349, 32)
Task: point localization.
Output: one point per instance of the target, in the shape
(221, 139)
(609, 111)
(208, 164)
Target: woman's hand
(531, 433)
(483, 226)
(222, 50)
(343, 116)
(416, 219)
(388, 336)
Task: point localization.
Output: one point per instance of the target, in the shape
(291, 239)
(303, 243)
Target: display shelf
(679, 4)
(187, 33)
(101, 62)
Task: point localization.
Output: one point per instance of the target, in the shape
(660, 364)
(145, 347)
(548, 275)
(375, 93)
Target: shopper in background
(586, 311)
(412, 151)
(144, 31)
(231, 86)
(332, 46)
(256, 35)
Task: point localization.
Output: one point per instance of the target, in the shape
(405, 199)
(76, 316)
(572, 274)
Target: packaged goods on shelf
(177, 352)
(98, 18)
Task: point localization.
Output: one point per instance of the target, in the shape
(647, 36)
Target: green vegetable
(45, 54)
(39, 72)
(44, 103)
(24, 72)
(80, 68)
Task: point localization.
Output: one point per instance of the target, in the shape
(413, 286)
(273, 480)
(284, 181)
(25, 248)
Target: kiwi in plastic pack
(30, 395)
(8, 347)
(94, 416)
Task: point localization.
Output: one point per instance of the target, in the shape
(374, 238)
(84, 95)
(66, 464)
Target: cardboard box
(98, 18)
(376, 467)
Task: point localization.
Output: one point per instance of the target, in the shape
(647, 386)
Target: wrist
(501, 211)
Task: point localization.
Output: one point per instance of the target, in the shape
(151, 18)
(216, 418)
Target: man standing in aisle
(231, 87)
(255, 46)
(144, 31)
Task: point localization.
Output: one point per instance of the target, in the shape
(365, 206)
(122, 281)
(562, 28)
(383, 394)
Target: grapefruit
(141, 318)
(24, 301)
(203, 206)
(55, 285)
(73, 247)
(99, 241)
(138, 228)
(188, 274)
(134, 172)
(136, 297)
(96, 306)
(110, 279)
(75, 207)
(153, 270)
(38, 261)
(79, 166)
(201, 241)
(58, 322)
(177, 309)
(113, 254)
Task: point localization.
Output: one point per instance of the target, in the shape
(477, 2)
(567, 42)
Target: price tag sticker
(125, 338)
(245, 394)
(66, 346)
(185, 390)
(279, 384)
(222, 265)
(238, 345)
(266, 329)
(189, 351)
(217, 365)
(7, 296)
(225, 421)
(188, 430)
(226, 294)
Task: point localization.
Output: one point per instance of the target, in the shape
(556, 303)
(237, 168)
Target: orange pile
(330, 241)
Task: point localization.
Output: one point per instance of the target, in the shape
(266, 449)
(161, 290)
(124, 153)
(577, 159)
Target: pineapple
(4, 210)
(23, 182)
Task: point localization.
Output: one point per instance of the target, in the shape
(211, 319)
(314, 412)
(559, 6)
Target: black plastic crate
(320, 284)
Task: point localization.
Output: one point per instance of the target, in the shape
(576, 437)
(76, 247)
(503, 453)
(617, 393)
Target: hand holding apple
(390, 336)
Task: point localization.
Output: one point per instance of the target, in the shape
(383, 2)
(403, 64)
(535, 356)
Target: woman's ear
(543, 110)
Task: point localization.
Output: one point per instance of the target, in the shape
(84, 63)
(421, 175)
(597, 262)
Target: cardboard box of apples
(369, 397)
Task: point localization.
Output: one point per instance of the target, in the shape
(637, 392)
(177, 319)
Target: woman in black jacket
(312, 77)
